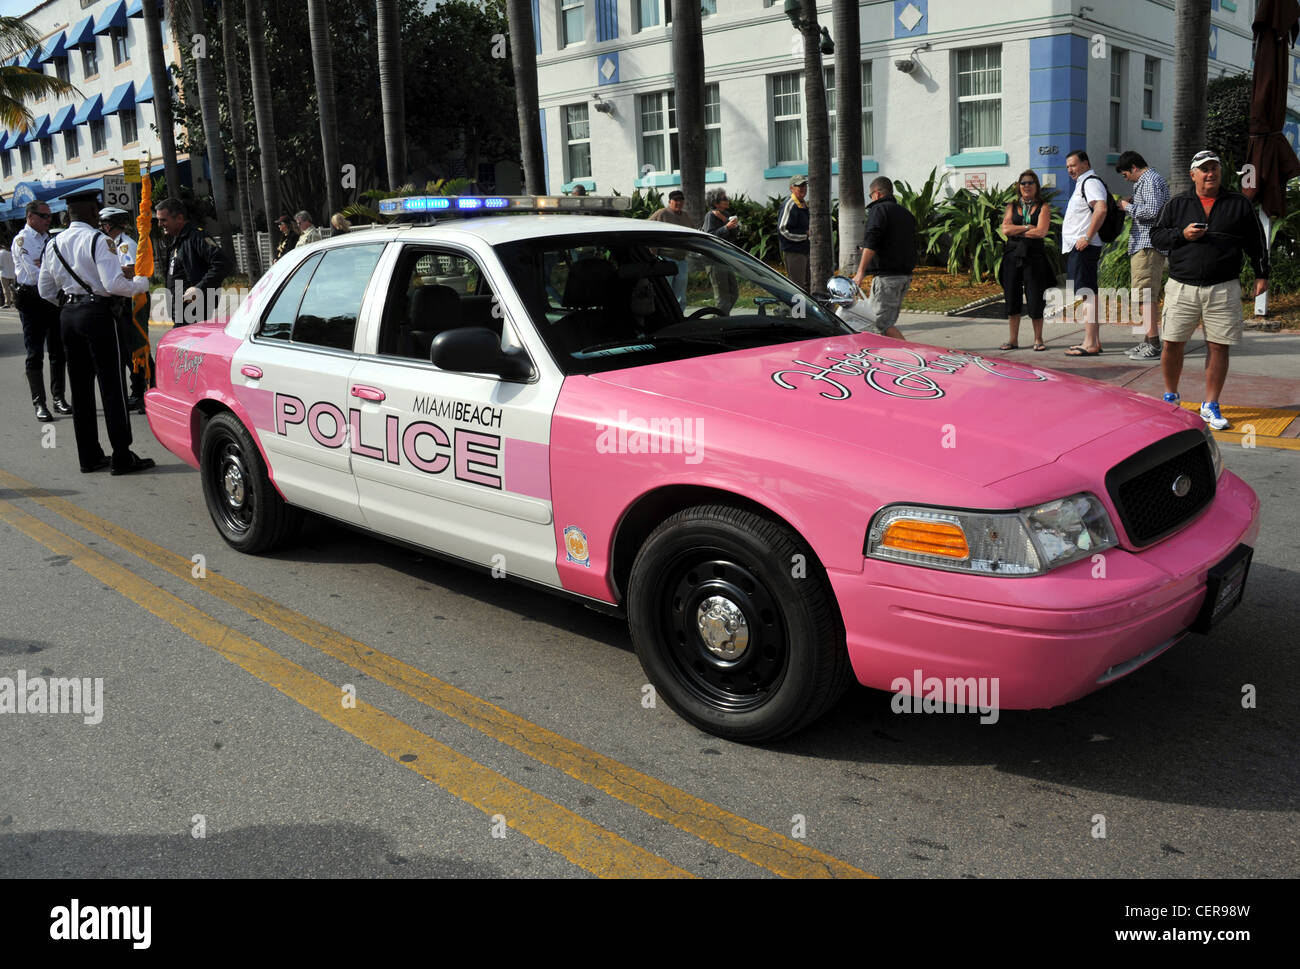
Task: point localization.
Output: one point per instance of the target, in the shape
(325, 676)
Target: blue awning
(136, 9)
(122, 98)
(38, 129)
(62, 120)
(145, 94)
(83, 34)
(114, 16)
(55, 47)
(4, 140)
(90, 110)
(30, 59)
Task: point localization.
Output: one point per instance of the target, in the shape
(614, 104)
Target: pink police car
(652, 422)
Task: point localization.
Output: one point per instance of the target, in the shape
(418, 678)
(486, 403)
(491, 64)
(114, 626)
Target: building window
(712, 127)
(708, 7)
(129, 134)
(1150, 88)
(577, 141)
(868, 148)
(573, 27)
(47, 151)
(979, 98)
(6, 165)
(61, 70)
(70, 148)
(1118, 61)
(787, 118)
(659, 130)
(652, 13)
(118, 36)
(98, 142)
(25, 157)
(89, 61)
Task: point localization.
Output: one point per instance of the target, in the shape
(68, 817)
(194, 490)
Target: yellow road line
(587, 845)
(777, 853)
(1281, 443)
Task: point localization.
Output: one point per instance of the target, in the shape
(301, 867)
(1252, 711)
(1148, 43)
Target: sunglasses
(1028, 183)
(43, 215)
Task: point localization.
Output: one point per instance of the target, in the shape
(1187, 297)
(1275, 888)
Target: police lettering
(475, 457)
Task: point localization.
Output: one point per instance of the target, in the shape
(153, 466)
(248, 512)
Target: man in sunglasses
(40, 319)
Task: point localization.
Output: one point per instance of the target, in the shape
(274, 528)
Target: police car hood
(958, 413)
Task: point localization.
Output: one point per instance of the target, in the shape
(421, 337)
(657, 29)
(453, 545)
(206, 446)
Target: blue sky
(16, 8)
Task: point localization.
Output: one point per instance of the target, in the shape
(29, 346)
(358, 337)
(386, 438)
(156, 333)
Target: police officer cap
(89, 196)
(112, 214)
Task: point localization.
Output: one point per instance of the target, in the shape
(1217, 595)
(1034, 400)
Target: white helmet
(112, 214)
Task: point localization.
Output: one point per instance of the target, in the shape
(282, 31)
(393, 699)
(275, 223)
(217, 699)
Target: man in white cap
(113, 222)
(1206, 231)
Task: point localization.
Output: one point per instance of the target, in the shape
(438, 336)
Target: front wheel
(244, 505)
(735, 624)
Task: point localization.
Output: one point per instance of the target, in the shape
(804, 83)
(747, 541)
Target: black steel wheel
(735, 636)
(244, 505)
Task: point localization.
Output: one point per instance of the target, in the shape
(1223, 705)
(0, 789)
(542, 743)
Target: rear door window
(322, 302)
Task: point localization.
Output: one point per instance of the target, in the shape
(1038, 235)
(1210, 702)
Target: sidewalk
(1262, 389)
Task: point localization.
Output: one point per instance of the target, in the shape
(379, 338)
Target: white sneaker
(1210, 414)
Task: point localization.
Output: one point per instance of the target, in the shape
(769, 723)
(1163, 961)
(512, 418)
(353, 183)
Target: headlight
(1025, 542)
(1215, 455)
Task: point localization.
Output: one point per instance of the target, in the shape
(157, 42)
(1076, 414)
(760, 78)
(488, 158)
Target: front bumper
(1048, 639)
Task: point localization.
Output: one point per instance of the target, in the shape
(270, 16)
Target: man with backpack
(1081, 243)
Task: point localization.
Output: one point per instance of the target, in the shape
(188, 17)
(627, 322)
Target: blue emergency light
(470, 204)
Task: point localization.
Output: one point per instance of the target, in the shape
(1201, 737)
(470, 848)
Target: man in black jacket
(888, 251)
(196, 266)
(1206, 231)
(792, 228)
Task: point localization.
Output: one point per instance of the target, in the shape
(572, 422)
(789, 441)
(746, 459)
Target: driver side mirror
(476, 349)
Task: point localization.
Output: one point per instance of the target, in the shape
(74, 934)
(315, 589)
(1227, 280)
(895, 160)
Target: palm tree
(162, 95)
(523, 55)
(207, 90)
(390, 90)
(848, 109)
(323, 66)
(1191, 53)
(820, 260)
(239, 134)
(18, 85)
(260, 80)
(688, 80)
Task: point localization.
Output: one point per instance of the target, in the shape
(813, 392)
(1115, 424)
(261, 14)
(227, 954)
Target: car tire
(737, 633)
(244, 505)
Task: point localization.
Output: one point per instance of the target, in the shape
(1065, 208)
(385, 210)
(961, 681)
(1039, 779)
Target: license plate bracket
(1225, 586)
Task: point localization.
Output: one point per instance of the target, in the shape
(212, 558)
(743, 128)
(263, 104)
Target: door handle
(248, 370)
(368, 393)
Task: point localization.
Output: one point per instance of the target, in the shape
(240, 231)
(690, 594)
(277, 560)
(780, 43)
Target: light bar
(467, 204)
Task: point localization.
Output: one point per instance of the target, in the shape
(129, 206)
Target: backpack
(1113, 224)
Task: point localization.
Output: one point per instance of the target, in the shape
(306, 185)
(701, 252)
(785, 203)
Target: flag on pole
(143, 267)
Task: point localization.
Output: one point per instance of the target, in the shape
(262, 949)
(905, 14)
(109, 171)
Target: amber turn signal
(926, 538)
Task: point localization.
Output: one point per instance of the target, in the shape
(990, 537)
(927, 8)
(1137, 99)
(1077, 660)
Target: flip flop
(1039, 347)
(1009, 346)
(1081, 352)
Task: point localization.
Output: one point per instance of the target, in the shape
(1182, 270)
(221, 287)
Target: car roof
(495, 230)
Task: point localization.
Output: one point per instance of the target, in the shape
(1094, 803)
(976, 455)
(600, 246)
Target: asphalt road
(497, 731)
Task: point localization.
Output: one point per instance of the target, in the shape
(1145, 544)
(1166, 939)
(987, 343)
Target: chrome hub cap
(233, 482)
(723, 627)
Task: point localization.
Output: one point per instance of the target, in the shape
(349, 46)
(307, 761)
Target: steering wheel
(705, 311)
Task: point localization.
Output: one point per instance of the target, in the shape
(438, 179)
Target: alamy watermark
(655, 435)
(953, 694)
(56, 694)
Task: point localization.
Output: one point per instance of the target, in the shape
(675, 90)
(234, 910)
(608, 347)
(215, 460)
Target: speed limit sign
(117, 193)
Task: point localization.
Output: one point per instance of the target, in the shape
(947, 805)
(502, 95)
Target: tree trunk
(323, 65)
(239, 134)
(208, 107)
(390, 91)
(523, 55)
(848, 109)
(688, 81)
(260, 79)
(1191, 53)
(821, 262)
(162, 98)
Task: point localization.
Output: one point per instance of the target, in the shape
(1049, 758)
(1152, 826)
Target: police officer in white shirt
(113, 222)
(81, 272)
(40, 320)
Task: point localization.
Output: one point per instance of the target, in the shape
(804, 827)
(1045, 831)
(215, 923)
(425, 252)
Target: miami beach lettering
(458, 410)
(906, 374)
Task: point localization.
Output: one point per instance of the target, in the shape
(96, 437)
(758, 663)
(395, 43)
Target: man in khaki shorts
(1147, 263)
(1206, 231)
(889, 251)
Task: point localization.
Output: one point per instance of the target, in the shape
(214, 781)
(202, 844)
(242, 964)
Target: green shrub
(758, 232)
(923, 205)
(969, 224)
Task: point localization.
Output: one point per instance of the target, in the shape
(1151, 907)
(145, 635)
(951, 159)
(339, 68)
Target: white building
(99, 46)
(995, 88)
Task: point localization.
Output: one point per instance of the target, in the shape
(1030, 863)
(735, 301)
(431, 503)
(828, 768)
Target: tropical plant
(390, 89)
(259, 77)
(852, 204)
(523, 56)
(644, 206)
(326, 103)
(162, 91)
(213, 146)
(758, 232)
(18, 85)
(968, 224)
(1191, 58)
(688, 81)
(1115, 269)
(821, 262)
(239, 132)
(1227, 119)
(923, 204)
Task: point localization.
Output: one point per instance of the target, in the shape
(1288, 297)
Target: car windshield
(612, 300)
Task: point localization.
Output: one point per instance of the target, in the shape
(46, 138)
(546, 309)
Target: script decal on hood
(895, 371)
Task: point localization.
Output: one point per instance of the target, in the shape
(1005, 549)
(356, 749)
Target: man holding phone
(1206, 231)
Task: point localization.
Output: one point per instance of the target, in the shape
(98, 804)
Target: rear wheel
(735, 624)
(244, 505)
